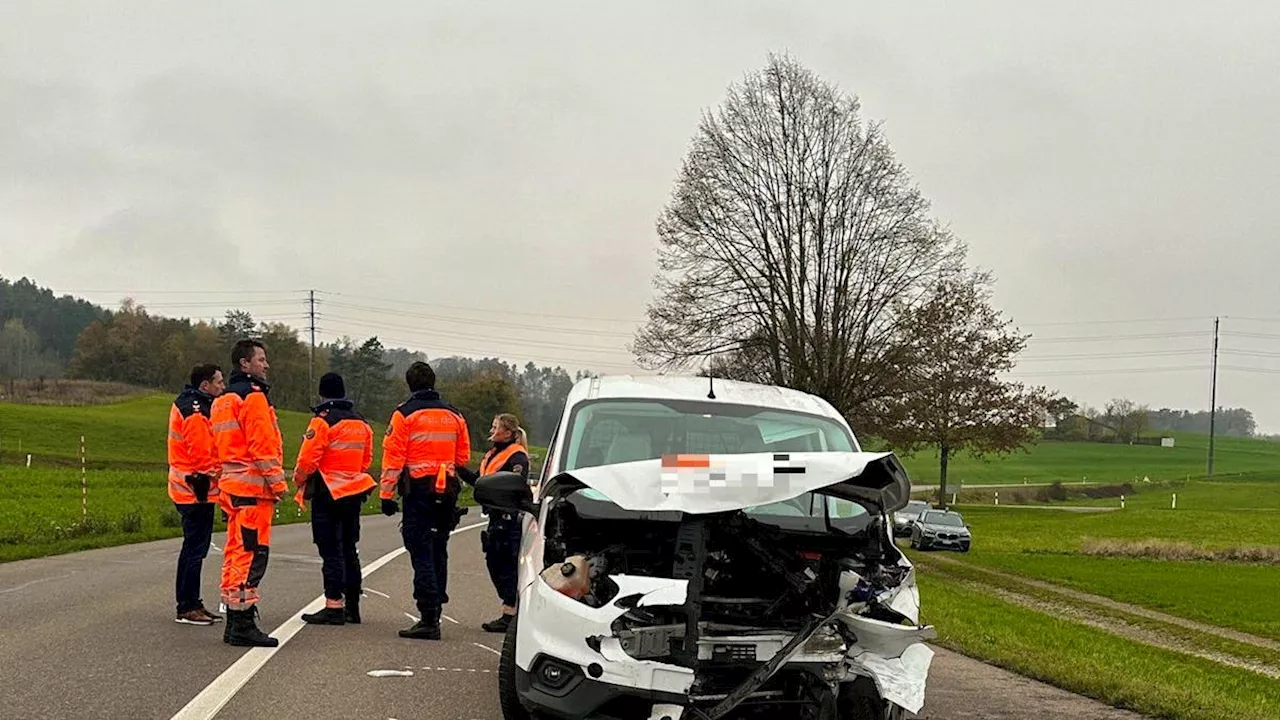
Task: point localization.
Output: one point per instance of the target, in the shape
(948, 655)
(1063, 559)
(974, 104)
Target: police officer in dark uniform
(501, 540)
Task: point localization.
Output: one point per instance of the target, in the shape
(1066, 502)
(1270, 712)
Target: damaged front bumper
(574, 662)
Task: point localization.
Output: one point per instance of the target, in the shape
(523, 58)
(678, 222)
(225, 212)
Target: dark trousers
(335, 529)
(197, 531)
(428, 520)
(501, 544)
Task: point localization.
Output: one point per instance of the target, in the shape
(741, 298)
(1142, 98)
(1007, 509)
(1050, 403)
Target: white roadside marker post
(84, 485)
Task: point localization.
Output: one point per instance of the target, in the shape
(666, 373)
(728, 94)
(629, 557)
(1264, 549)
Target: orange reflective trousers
(244, 559)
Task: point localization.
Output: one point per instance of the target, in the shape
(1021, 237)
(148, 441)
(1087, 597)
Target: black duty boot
(428, 628)
(351, 610)
(499, 625)
(242, 630)
(327, 616)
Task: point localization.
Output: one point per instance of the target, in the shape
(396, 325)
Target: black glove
(468, 475)
(390, 507)
(200, 486)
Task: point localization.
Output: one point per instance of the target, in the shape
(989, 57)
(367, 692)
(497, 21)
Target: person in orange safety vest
(425, 452)
(332, 472)
(501, 540)
(193, 486)
(251, 450)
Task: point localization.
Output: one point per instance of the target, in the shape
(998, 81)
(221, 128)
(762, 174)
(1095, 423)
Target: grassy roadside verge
(40, 511)
(1120, 672)
(1052, 600)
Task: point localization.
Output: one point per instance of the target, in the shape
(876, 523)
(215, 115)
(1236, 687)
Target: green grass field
(1051, 461)
(1015, 599)
(1047, 545)
(1121, 672)
(40, 506)
(130, 434)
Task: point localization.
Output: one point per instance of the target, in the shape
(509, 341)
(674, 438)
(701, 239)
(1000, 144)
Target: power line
(578, 362)
(1132, 321)
(132, 293)
(1108, 338)
(490, 311)
(1110, 356)
(1257, 336)
(446, 335)
(219, 304)
(1263, 371)
(1115, 371)
(478, 321)
(1251, 353)
(1252, 319)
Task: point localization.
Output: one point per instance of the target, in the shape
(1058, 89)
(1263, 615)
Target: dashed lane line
(218, 693)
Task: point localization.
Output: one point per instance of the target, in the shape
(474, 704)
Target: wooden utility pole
(1213, 396)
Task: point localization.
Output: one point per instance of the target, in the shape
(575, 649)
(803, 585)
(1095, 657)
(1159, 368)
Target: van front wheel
(859, 700)
(508, 696)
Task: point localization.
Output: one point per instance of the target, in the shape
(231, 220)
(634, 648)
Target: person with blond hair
(501, 540)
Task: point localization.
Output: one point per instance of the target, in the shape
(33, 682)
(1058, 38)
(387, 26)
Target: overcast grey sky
(1108, 161)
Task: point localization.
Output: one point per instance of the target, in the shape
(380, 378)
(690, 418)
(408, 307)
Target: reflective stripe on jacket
(338, 445)
(191, 445)
(247, 435)
(425, 437)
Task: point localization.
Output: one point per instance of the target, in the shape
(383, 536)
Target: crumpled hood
(701, 484)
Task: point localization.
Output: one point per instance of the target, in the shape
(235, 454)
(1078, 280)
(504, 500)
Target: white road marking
(375, 592)
(446, 617)
(29, 583)
(411, 617)
(390, 673)
(486, 647)
(224, 687)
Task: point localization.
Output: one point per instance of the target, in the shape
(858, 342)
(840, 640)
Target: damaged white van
(697, 550)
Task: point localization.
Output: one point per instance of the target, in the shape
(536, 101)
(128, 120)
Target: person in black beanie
(333, 472)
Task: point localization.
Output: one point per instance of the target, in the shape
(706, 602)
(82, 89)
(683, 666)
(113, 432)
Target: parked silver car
(904, 519)
(943, 529)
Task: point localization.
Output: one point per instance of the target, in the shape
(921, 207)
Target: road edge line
(210, 701)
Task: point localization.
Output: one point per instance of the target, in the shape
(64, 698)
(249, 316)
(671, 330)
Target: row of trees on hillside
(38, 331)
(132, 346)
(1126, 421)
(796, 250)
(1232, 422)
(52, 325)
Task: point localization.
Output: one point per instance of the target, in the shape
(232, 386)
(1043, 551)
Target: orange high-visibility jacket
(495, 460)
(191, 448)
(338, 445)
(247, 435)
(426, 436)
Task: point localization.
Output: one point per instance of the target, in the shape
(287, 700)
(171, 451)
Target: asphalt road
(91, 635)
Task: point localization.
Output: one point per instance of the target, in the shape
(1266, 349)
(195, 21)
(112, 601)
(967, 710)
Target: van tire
(859, 700)
(508, 696)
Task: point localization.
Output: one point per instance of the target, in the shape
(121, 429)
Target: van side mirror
(505, 491)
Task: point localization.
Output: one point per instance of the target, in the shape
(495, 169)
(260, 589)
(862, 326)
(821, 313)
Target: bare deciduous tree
(958, 347)
(791, 245)
(1127, 418)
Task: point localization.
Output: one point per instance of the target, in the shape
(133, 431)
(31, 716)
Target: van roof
(684, 387)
